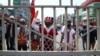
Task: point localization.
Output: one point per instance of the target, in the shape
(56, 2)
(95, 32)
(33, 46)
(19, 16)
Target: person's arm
(74, 33)
(95, 34)
(62, 37)
(74, 40)
(80, 32)
(62, 34)
(34, 25)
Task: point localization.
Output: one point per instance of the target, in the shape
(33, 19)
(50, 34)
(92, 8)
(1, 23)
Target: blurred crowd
(48, 31)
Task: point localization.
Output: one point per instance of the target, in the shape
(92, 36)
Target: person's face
(22, 23)
(12, 20)
(48, 23)
(69, 24)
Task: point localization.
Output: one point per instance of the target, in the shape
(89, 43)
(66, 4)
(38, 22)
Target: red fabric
(22, 42)
(32, 11)
(5, 15)
(48, 44)
(47, 19)
(51, 33)
(89, 2)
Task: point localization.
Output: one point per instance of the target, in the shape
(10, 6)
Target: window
(84, 9)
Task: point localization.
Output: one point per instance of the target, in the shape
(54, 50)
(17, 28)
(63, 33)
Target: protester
(35, 38)
(22, 36)
(10, 34)
(93, 37)
(84, 36)
(48, 30)
(0, 35)
(70, 38)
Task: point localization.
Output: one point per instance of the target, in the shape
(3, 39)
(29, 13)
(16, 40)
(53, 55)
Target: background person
(70, 38)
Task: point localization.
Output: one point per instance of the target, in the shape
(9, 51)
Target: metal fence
(55, 52)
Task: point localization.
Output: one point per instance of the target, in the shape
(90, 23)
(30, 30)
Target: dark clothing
(9, 29)
(24, 47)
(93, 35)
(84, 38)
(48, 44)
(35, 40)
(35, 36)
(10, 36)
(0, 38)
(83, 32)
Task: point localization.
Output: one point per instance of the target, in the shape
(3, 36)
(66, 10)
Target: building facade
(92, 11)
(22, 12)
(62, 18)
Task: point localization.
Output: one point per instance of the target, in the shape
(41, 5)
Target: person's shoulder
(72, 29)
(62, 28)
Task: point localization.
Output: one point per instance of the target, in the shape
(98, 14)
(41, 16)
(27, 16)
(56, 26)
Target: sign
(16, 2)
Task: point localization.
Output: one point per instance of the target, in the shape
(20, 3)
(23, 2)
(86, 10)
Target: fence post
(16, 30)
(9, 2)
(65, 32)
(54, 37)
(77, 28)
(3, 32)
(88, 33)
(42, 35)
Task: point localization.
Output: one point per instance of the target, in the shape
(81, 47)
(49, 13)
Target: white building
(62, 18)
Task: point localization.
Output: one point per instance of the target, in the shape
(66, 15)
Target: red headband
(47, 19)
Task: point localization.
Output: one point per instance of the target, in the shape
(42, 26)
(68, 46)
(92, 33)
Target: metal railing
(55, 52)
(49, 53)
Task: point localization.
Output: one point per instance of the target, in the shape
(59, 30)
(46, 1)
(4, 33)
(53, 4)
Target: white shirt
(72, 31)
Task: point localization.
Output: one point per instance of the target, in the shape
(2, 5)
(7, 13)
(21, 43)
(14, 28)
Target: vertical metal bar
(77, 29)
(71, 2)
(60, 1)
(29, 31)
(9, 2)
(54, 37)
(98, 27)
(3, 33)
(42, 14)
(65, 32)
(88, 33)
(16, 40)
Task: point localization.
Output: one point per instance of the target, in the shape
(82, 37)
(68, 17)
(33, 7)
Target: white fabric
(62, 29)
(72, 31)
(48, 29)
(22, 20)
(34, 25)
(12, 17)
